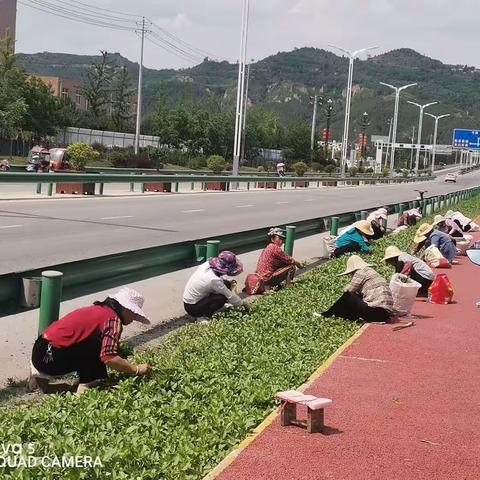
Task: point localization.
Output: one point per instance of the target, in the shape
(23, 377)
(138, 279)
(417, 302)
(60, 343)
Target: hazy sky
(441, 29)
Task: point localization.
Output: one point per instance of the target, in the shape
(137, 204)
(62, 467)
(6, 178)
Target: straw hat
(133, 301)
(365, 227)
(422, 232)
(438, 219)
(355, 263)
(392, 252)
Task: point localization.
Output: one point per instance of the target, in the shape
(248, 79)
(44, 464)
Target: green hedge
(210, 387)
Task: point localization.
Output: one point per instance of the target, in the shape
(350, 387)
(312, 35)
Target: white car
(451, 177)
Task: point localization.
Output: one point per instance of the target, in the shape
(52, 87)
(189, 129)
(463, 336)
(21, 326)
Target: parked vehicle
(5, 165)
(451, 177)
(58, 159)
(38, 160)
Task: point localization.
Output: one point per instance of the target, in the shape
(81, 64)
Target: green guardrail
(95, 274)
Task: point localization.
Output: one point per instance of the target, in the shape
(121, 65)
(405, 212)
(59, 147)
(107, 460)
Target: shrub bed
(211, 385)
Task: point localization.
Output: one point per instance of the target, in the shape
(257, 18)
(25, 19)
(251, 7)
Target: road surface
(39, 233)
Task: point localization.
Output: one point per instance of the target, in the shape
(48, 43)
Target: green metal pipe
(401, 208)
(132, 185)
(142, 187)
(176, 187)
(50, 298)
(358, 216)
(213, 248)
(192, 186)
(334, 226)
(363, 214)
(50, 189)
(290, 240)
(39, 188)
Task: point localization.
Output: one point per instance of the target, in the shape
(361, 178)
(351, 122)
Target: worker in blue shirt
(355, 239)
(426, 235)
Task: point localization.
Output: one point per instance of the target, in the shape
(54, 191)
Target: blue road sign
(466, 139)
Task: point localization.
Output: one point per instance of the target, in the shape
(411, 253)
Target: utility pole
(139, 92)
(411, 150)
(316, 102)
(363, 144)
(389, 144)
(329, 111)
(241, 88)
(244, 126)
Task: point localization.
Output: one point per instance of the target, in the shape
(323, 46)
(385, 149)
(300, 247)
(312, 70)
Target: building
(8, 19)
(64, 88)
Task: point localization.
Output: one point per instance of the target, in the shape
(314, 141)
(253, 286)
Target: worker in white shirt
(208, 289)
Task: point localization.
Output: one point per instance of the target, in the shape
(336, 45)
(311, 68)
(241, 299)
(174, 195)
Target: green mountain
(285, 83)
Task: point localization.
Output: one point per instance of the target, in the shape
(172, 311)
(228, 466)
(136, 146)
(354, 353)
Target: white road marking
(244, 206)
(282, 203)
(193, 211)
(115, 218)
(11, 226)
(310, 200)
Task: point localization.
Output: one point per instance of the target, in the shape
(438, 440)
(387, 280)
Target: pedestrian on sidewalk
(274, 266)
(410, 266)
(209, 289)
(355, 239)
(87, 340)
(426, 235)
(367, 297)
(376, 220)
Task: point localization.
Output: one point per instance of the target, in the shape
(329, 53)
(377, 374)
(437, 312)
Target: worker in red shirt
(274, 266)
(87, 340)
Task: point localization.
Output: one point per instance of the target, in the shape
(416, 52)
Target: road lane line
(193, 211)
(244, 206)
(310, 200)
(115, 218)
(282, 203)
(11, 226)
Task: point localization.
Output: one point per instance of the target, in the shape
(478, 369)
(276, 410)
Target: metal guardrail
(95, 274)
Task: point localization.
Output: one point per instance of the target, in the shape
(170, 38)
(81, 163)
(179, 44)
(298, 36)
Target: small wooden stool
(315, 410)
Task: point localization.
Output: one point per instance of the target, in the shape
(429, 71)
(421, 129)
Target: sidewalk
(405, 404)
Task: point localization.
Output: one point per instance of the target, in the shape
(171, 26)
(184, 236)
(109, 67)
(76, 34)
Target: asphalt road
(39, 233)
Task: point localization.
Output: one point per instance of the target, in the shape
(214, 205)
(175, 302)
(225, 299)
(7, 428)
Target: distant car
(451, 177)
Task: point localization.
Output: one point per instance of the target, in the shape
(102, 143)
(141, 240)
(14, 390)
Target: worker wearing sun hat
(426, 235)
(448, 226)
(411, 266)
(355, 239)
(87, 340)
(376, 219)
(367, 297)
(208, 289)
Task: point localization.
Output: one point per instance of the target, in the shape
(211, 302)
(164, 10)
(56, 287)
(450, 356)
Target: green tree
(122, 101)
(297, 142)
(216, 164)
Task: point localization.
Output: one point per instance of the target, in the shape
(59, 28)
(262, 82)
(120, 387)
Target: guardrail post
(192, 186)
(101, 186)
(358, 216)
(39, 188)
(248, 185)
(176, 187)
(142, 187)
(50, 298)
(132, 185)
(213, 248)
(401, 208)
(334, 226)
(363, 214)
(290, 240)
(50, 189)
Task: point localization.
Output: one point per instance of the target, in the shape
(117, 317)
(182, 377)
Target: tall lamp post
(351, 56)
(329, 112)
(316, 101)
(420, 126)
(365, 125)
(397, 90)
(437, 118)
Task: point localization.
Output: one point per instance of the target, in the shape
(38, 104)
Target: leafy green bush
(300, 168)
(197, 163)
(353, 171)
(216, 164)
(210, 386)
(80, 154)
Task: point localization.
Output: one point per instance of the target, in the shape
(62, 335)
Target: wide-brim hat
(438, 219)
(450, 214)
(133, 301)
(276, 232)
(392, 252)
(381, 213)
(355, 263)
(364, 227)
(226, 263)
(422, 232)
(414, 212)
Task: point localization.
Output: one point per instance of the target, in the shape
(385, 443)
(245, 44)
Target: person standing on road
(208, 289)
(87, 340)
(355, 239)
(410, 266)
(367, 297)
(426, 236)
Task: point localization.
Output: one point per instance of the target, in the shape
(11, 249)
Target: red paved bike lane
(406, 404)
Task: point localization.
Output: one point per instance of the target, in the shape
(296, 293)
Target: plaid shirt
(372, 287)
(272, 259)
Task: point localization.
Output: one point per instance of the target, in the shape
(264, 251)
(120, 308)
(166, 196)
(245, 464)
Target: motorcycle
(5, 166)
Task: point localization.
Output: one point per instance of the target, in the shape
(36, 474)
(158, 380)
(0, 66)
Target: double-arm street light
(437, 118)
(397, 90)
(420, 126)
(351, 56)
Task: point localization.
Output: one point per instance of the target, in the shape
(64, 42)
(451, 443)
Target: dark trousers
(207, 306)
(425, 283)
(351, 307)
(281, 276)
(82, 357)
(378, 232)
(465, 228)
(351, 248)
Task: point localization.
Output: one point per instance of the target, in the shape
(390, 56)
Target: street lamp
(397, 90)
(363, 143)
(420, 126)
(329, 112)
(351, 56)
(437, 118)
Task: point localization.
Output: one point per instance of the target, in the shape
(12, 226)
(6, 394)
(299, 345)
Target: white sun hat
(133, 301)
(355, 263)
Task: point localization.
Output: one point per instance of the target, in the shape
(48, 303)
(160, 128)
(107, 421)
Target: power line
(116, 12)
(180, 50)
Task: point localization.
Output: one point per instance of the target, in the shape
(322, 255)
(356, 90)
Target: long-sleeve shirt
(452, 228)
(205, 282)
(82, 324)
(418, 265)
(353, 236)
(462, 219)
(372, 287)
(272, 258)
(444, 243)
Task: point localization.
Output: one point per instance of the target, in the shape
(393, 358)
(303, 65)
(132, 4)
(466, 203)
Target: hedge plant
(210, 386)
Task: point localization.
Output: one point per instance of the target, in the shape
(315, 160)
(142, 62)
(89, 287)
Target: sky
(440, 29)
